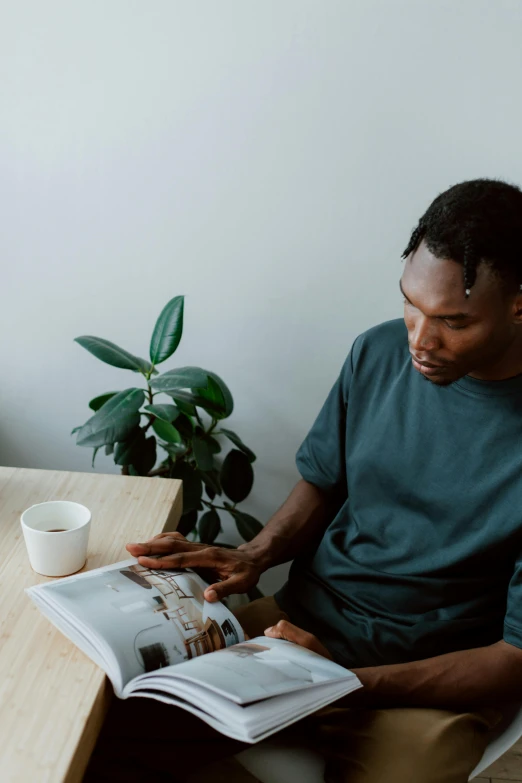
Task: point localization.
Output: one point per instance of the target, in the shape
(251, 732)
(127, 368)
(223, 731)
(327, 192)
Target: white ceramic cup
(56, 554)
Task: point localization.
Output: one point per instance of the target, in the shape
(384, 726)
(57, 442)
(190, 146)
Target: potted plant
(186, 426)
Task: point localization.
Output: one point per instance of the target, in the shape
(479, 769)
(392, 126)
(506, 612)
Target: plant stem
(148, 375)
(152, 418)
(158, 472)
(212, 426)
(212, 505)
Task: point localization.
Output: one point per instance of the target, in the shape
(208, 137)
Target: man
(406, 527)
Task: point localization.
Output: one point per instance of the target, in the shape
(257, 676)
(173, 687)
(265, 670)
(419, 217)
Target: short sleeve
(513, 618)
(321, 458)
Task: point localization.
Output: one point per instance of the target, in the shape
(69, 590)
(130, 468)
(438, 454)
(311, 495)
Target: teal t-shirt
(425, 553)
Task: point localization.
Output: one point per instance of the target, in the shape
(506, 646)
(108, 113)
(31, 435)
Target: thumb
(137, 549)
(220, 590)
(285, 630)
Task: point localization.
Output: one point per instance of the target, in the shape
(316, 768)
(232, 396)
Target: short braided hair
(476, 221)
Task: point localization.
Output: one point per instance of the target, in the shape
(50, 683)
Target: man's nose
(422, 337)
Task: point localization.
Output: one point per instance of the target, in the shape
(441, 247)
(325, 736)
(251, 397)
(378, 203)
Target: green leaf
(96, 403)
(192, 485)
(144, 458)
(182, 378)
(209, 526)
(166, 431)
(202, 454)
(109, 448)
(211, 494)
(185, 426)
(185, 407)
(213, 444)
(112, 354)
(192, 399)
(236, 440)
(75, 429)
(137, 451)
(164, 412)
(187, 523)
(174, 450)
(168, 330)
(114, 421)
(248, 526)
(217, 394)
(237, 476)
(212, 482)
(95, 451)
(126, 450)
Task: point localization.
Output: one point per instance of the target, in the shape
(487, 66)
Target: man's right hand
(237, 568)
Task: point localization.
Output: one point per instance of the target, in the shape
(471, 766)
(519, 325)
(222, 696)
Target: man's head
(469, 240)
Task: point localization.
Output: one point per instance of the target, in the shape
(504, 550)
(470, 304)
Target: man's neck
(508, 365)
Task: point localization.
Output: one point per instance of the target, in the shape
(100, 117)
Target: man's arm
(462, 680)
(297, 525)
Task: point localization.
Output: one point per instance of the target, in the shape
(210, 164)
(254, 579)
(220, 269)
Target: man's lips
(424, 364)
(425, 369)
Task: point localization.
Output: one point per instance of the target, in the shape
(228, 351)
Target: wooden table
(52, 697)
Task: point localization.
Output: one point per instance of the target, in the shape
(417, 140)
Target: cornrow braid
(415, 239)
(471, 261)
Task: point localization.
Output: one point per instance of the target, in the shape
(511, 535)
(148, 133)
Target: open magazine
(148, 630)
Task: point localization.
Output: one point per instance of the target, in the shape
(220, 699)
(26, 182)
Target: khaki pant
(148, 741)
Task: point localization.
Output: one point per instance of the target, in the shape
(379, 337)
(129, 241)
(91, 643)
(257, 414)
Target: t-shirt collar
(491, 388)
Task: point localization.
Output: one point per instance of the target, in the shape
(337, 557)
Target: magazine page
(147, 618)
(257, 669)
(249, 722)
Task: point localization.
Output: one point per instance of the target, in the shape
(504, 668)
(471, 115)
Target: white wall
(266, 159)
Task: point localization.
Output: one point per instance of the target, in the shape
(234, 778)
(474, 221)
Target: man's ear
(517, 307)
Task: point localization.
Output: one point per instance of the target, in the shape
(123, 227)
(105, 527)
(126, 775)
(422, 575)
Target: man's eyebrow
(451, 317)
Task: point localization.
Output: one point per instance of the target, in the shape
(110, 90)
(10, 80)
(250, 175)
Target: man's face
(471, 345)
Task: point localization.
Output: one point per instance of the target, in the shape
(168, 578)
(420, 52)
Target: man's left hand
(285, 630)
(362, 697)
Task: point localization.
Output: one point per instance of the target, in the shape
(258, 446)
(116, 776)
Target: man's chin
(439, 380)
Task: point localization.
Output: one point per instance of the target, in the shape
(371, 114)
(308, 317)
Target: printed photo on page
(150, 618)
(260, 668)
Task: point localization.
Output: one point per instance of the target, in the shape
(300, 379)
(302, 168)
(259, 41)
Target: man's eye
(454, 327)
(448, 324)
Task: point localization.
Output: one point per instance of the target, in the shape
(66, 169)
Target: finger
(173, 534)
(291, 633)
(203, 557)
(219, 590)
(285, 630)
(163, 546)
(164, 535)
(161, 537)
